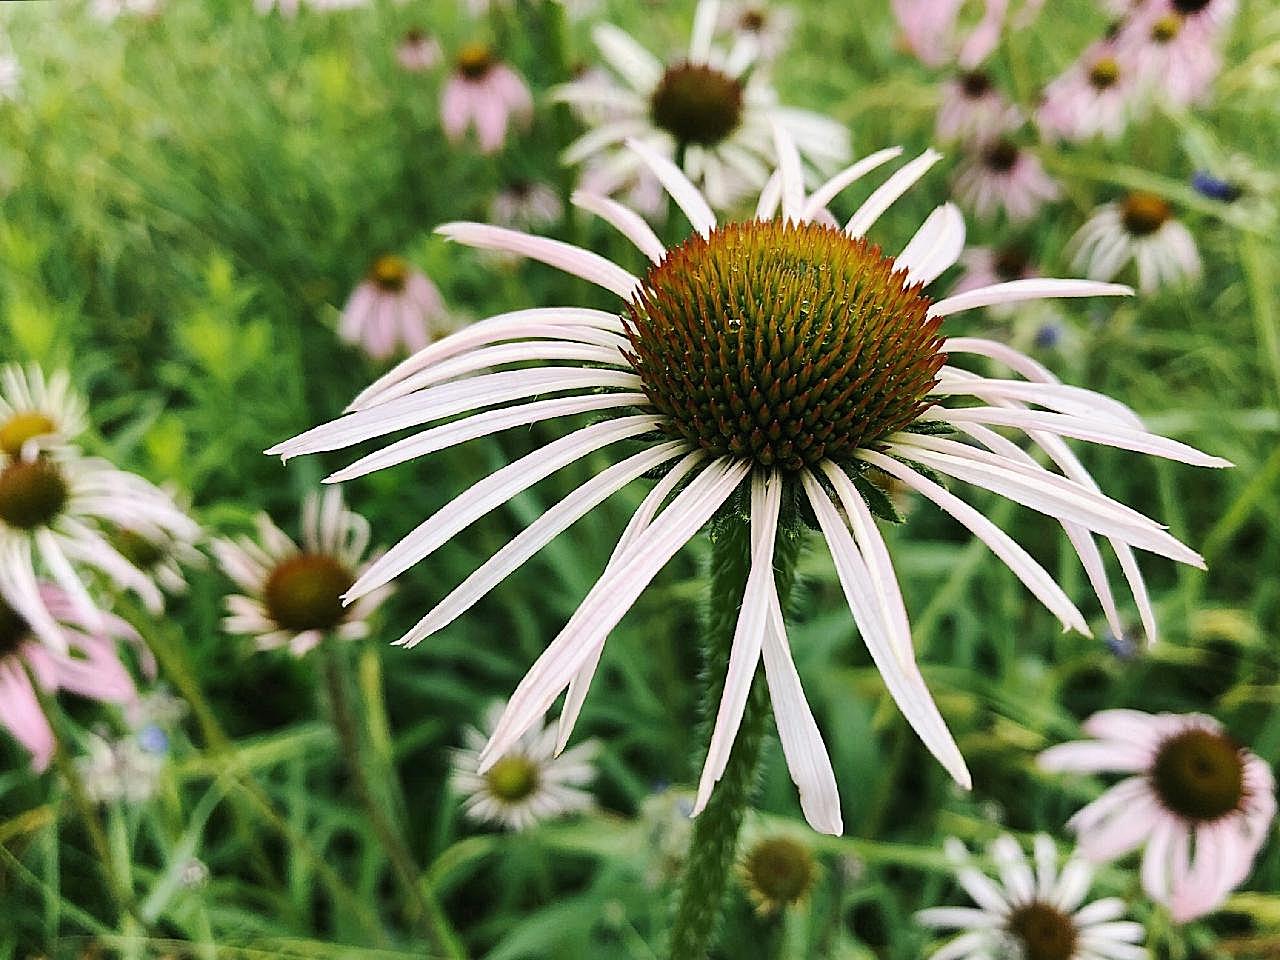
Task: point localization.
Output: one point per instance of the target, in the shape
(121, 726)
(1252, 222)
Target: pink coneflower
(526, 205)
(1095, 96)
(1198, 802)
(930, 31)
(85, 662)
(1003, 176)
(1033, 912)
(984, 266)
(58, 513)
(418, 51)
(485, 93)
(973, 109)
(720, 382)
(529, 783)
(44, 411)
(1176, 65)
(1140, 228)
(762, 27)
(293, 595)
(707, 109)
(395, 307)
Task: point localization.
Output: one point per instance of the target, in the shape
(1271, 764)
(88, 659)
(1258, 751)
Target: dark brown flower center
(783, 343)
(1144, 213)
(14, 631)
(305, 592)
(697, 104)
(1000, 156)
(21, 427)
(779, 872)
(513, 779)
(390, 273)
(975, 84)
(1188, 7)
(1044, 932)
(475, 60)
(1199, 775)
(1104, 74)
(32, 493)
(414, 37)
(1011, 262)
(1166, 29)
(142, 552)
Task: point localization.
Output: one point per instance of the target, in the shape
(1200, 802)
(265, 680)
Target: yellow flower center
(390, 272)
(475, 60)
(1104, 74)
(1144, 213)
(779, 872)
(21, 427)
(1166, 29)
(513, 779)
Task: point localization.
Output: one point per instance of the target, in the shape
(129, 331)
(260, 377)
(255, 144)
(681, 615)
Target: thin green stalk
(421, 905)
(713, 846)
(86, 809)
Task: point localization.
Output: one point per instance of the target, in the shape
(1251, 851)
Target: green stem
(422, 907)
(713, 846)
(86, 809)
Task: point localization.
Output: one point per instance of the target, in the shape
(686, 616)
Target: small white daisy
(974, 110)
(1198, 802)
(1034, 912)
(45, 411)
(58, 514)
(1140, 228)
(719, 382)
(1097, 95)
(293, 595)
(1003, 176)
(765, 27)
(529, 783)
(119, 770)
(396, 307)
(484, 93)
(708, 109)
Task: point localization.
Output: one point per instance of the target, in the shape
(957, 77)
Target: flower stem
(713, 846)
(88, 812)
(422, 907)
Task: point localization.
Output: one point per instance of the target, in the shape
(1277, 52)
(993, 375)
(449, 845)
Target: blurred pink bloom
(526, 205)
(973, 109)
(1096, 95)
(484, 93)
(90, 667)
(396, 306)
(418, 51)
(987, 266)
(1199, 803)
(1003, 176)
(1175, 63)
(931, 33)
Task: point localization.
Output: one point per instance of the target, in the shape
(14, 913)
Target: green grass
(185, 203)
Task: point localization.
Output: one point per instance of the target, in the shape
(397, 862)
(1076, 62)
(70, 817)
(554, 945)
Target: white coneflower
(1034, 912)
(1095, 96)
(160, 556)
(1003, 176)
(484, 93)
(708, 109)
(85, 661)
(1198, 802)
(293, 595)
(58, 513)
(1140, 228)
(761, 356)
(37, 409)
(418, 51)
(531, 782)
(765, 27)
(974, 110)
(526, 205)
(396, 307)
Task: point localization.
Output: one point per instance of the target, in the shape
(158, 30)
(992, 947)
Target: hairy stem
(422, 907)
(713, 847)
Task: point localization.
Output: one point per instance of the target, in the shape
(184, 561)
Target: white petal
(790, 176)
(556, 253)
(687, 197)
(1034, 288)
(884, 195)
(819, 199)
(633, 62)
(625, 220)
(935, 247)
(491, 492)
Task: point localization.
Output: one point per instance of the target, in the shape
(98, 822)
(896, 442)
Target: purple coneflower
(1095, 96)
(395, 307)
(418, 51)
(484, 93)
(1003, 176)
(974, 110)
